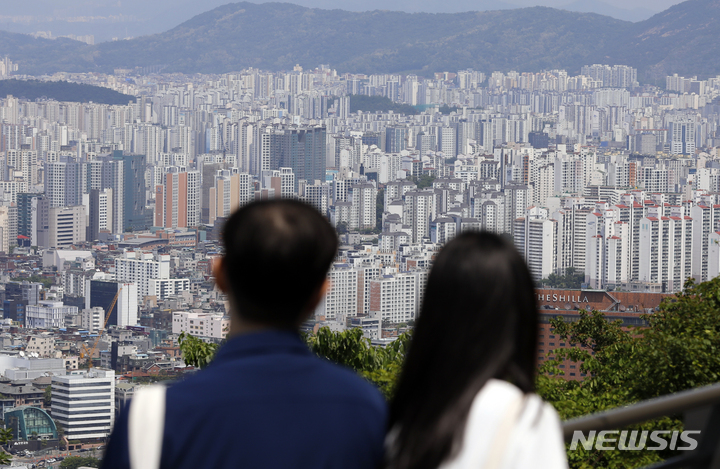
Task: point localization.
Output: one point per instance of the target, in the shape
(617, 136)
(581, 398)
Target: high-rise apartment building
(448, 141)
(8, 227)
(111, 176)
(134, 199)
(100, 217)
(22, 163)
(425, 142)
(682, 136)
(230, 191)
(396, 297)
(304, 153)
(665, 251)
(317, 195)
(139, 268)
(177, 201)
(363, 212)
(421, 209)
(341, 300)
(395, 139)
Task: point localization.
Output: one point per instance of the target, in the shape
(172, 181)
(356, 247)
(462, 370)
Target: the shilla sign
(635, 440)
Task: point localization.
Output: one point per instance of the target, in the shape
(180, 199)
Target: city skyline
(120, 170)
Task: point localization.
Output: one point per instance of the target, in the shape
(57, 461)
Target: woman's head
(478, 321)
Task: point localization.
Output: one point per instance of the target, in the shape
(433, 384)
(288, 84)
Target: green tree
(359, 102)
(600, 346)
(425, 180)
(73, 462)
(677, 351)
(571, 279)
(445, 109)
(47, 396)
(380, 365)
(6, 436)
(47, 283)
(61, 434)
(341, 228)
(196, 352)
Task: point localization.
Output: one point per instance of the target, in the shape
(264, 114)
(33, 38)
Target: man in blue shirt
(266, 401)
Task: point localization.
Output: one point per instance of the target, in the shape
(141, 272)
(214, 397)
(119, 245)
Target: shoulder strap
(146, 424)
(502, 436)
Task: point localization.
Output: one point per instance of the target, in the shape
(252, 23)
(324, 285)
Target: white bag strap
(502, 436)
(146, 424)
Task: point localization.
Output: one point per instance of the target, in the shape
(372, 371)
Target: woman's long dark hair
(478, 321)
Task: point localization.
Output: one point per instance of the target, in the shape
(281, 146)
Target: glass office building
(29, 422)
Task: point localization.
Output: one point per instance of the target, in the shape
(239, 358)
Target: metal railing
(700, 408)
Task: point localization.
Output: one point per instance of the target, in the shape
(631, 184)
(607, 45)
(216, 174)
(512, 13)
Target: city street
(37, 459)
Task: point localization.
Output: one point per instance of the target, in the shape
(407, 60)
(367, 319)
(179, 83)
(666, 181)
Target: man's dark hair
(277, 255)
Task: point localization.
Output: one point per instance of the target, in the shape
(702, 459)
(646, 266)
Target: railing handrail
(642, 411)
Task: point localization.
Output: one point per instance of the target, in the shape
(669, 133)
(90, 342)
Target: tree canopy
(571, 279)
(47, 282)
(380, 365)
(73, 462)
(677, 351)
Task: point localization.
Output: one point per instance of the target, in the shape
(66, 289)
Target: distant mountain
(602, 8)
(276, 36)
(62, 91)
(683, 39)
(37, 56)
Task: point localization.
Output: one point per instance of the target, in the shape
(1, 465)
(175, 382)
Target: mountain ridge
(276, 36)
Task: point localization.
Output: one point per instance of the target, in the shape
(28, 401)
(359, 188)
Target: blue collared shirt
(266, 401)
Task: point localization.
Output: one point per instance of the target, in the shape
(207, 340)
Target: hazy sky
(130, 7)
(657, 5)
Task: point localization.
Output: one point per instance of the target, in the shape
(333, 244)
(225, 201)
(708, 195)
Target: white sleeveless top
(531, 432)
(507, 429)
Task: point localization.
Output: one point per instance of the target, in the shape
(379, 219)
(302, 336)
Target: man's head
(277, 255)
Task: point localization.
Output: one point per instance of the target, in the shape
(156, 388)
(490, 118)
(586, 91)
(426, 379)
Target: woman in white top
(465, 396)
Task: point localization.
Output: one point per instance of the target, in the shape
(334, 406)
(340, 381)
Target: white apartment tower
(682, 136)
(665, 251)
(421, 205)
(395, 297)
(363, 209)
(540, 254)
(705, 220)
(341, 301)
(139, 268)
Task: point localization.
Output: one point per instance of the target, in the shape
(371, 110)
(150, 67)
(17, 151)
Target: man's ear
(218, 271)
